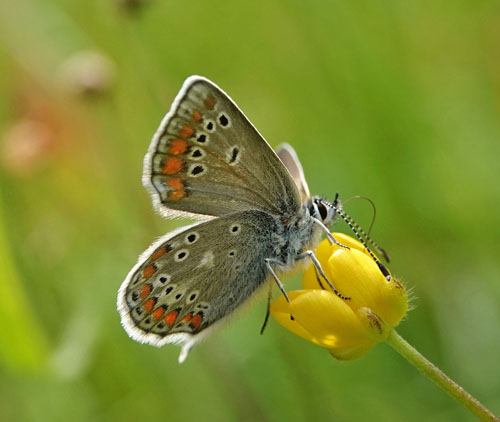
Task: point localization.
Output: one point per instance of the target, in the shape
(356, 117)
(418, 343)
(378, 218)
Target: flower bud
(349, 328)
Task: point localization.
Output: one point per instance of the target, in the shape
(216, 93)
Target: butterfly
(208, 162)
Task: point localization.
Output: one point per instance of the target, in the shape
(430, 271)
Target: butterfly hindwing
(207, 158)
(289, 158)
(190, 280)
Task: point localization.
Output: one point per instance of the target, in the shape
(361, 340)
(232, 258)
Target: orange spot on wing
(172, 165)
(209, 102)
(148, 271)
(171, 317)
(187, 317)
(149, 304)
(196, 116)
(159, 312)
(175, 195)
(186, 131)
(175, 183)
(177, 146)
(196, 321)
(145, 291)
(159, 253)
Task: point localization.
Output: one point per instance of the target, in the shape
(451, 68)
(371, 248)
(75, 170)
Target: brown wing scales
(207, 158)
(189, 281)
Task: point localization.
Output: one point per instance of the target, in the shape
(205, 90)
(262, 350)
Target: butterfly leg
(318, 278)
(268, 311)
(317, 265)
(278, 282)
(329, 236)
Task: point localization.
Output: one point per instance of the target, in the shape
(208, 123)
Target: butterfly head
(323, 210)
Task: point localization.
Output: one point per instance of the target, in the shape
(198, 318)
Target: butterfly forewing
(186, 282)
(207, 158)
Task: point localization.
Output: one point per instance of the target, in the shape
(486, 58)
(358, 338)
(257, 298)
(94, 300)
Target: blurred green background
(398, 101)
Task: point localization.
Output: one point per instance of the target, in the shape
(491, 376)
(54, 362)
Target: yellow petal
(280, 310)
(375, 325)
(349, 241)
(377, 331)
(328, 319)
(323, 253)
(357, 276)
(351, 353)
(311, 280)
(395, 303)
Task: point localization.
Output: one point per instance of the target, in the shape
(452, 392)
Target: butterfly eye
(323, 212)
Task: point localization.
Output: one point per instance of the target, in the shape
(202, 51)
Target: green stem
(399, 344)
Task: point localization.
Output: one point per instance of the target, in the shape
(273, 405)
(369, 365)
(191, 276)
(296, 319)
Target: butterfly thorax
(293, 236)
(298, 233)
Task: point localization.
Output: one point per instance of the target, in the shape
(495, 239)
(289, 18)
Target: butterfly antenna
(353, 226)
(362, 232)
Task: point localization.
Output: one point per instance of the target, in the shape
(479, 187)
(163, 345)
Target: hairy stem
(432, 372)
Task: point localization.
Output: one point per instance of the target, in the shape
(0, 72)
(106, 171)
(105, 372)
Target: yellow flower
(348, 328)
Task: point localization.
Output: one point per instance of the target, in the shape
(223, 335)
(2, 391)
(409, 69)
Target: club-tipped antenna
(366, 235)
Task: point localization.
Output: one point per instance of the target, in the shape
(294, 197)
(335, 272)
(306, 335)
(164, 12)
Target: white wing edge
(187, 341)
(148, 159)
